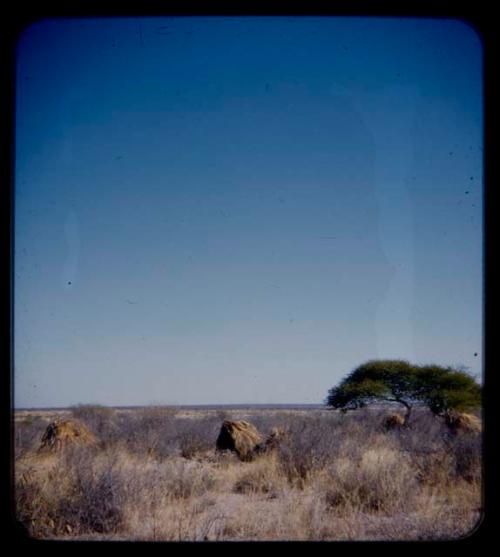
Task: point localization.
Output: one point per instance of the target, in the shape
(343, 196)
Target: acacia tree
(441, 389)
(445, 390)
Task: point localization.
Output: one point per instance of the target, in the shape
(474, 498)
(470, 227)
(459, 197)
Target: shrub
(380, 480)
(148, 430)
(183, 480)
(97, 506)
(333, 476)
(263, 476)
(101, 420)
(78, 494)
(27, 434)
(466, 451)
(196, 436)
(306, 448)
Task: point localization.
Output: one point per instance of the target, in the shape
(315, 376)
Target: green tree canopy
(442, 389)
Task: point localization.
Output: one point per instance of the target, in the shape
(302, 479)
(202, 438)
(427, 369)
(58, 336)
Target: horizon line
(210, 405)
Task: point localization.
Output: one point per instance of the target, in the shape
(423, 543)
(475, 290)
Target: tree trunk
(408, 412)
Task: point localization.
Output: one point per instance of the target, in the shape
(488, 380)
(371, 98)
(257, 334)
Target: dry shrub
(195, 438)
(97, 501)
(467, 458)
(100, 420)
(272, 442)
(292, 516)
(222, 415)
(425, 433)
(90, 413)
(307, 447)
(433, 468)
(455, 459)
(27, 434)
(147, 430)
(156, 414)
(76, 493)
(334, 477)
(161, 483)
(263, 476)
(266, 422)
(380, 479)
(86, 492)
(192, 445)
(191, 522)
(33, 509)
(186, 520)
(183, 480)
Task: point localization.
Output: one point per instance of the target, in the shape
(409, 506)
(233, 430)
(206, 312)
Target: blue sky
(243, 209)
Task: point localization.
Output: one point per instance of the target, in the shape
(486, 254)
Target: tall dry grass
(156, 476)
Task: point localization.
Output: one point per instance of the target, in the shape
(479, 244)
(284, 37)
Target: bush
(77, 493)
(28, 434)
(379, 480)
(195, 437)
(148, 430)
(264, 476)
(467, 458)
(100, 420)
(182, 481)
(98, 491)
(307, 447)
(33, 509)
(333, 476)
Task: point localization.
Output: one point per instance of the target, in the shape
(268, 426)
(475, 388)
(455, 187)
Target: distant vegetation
(442, 389)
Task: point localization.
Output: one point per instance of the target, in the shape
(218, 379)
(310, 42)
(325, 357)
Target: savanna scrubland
(154, 475)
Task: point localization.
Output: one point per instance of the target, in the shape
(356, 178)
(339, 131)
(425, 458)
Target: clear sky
(243, 209)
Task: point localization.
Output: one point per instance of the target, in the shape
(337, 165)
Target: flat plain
(155, 475)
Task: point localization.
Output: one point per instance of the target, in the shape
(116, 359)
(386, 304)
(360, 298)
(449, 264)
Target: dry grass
(156, 476)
